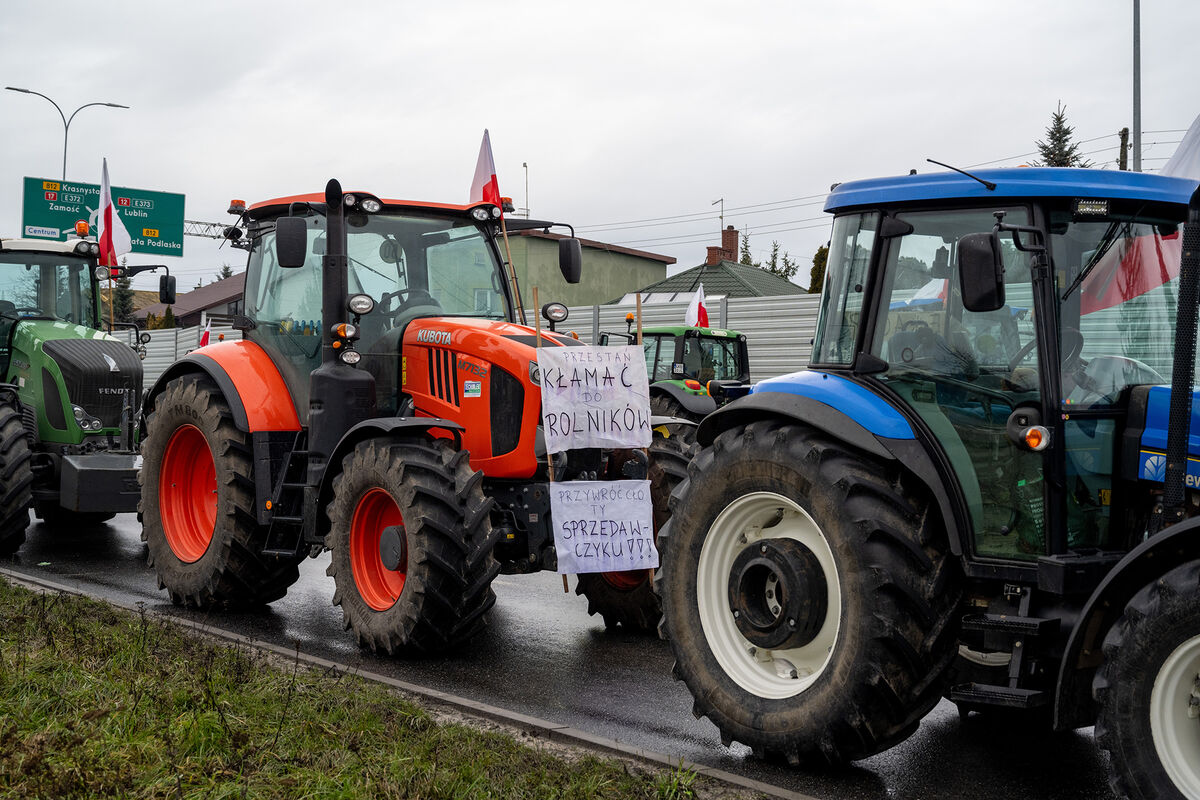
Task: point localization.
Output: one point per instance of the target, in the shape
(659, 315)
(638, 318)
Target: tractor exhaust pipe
(1183, 369)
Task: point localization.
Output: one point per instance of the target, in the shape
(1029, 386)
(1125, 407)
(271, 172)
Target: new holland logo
(1154, 467)
(433, 337)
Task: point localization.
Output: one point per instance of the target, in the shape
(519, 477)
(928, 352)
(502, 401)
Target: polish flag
(485, 188)
(697, 314)
(204, 336)
(114, 239)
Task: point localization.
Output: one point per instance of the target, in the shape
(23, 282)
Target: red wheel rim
(626, 581)
(379, 586)
(187, 494)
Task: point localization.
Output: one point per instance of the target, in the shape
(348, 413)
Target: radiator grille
(443, 375)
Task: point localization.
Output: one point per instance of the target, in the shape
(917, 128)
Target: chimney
(729, 243)
(714, 256)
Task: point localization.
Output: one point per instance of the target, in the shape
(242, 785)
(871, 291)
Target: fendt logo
(433, 337)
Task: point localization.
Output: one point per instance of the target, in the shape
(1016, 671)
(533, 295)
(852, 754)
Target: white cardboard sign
(594, 397)
(603, 526)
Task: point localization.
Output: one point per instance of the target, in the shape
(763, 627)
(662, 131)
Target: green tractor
(983, 488)
(692, 371)
(69, 392)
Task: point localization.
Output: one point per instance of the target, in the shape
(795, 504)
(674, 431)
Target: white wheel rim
(772, 674)
(1173, 726)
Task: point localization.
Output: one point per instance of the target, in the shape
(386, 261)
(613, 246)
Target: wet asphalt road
(543, 656)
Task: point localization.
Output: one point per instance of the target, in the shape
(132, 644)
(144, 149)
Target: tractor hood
(57, 365)
(1146, 436)
(483, 374)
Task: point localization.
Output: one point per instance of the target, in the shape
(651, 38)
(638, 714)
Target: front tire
(666, 406)
(627, 598)
(197, 504)
(1145, 690)
(807, 594)
(439, 591)
(16, 478)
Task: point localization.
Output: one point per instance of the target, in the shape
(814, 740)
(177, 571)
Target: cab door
(965, 373)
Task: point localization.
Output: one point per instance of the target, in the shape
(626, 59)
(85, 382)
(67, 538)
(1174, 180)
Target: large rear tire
(807, 594)
(425, 492)
(197, 504)
(628, 598)
(1146, 689)
(16, 478)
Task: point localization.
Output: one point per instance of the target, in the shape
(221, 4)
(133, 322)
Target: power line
(701, 214)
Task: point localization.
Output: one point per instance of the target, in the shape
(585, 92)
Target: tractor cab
(691, 370)
(1018, 329)
(411, 260)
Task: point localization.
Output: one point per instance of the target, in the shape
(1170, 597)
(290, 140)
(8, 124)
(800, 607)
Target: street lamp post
(66, 120)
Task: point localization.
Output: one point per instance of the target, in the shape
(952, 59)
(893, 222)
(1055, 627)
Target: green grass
(100, 702)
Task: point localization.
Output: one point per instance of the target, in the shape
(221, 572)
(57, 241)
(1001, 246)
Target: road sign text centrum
(154, 219)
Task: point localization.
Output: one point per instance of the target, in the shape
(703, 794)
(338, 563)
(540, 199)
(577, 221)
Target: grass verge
(101, 702)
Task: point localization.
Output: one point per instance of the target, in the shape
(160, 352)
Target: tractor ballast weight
(383, 406)
(981, 472)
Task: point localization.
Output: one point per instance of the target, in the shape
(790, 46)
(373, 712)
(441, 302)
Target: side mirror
(981, 271)
(291, 241)
(570, 259)
(166, 289)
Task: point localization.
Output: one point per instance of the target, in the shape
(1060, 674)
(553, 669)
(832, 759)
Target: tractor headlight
(83, 249)
(371, 205)
(535, 373)
(555, 312)
(79, 413)
(480, 213)
(361, 304)
(350, 357)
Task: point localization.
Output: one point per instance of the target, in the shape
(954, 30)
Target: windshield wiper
(1106, 243)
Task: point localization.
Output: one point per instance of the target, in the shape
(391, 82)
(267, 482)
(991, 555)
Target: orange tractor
(384, 405)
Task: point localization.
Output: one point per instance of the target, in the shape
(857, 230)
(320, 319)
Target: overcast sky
(626, 113)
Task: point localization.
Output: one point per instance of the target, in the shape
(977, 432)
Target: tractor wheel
(628, 598)
(197, 504)
(16, 478)
(55, 516)
(667, 406)
(808, 595)
(1146, 690)
(411, 543)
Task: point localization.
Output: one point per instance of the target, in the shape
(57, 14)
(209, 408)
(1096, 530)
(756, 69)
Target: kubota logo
(433, 337)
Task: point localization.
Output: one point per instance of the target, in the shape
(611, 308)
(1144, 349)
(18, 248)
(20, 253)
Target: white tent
(1186, 161)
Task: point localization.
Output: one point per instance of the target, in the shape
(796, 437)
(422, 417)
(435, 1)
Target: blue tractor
(982, 488)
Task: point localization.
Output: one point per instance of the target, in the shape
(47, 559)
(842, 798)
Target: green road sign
(154, 219)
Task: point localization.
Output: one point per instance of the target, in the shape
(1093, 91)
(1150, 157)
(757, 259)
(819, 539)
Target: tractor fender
(851, 413)
(380, 427)
(699, 404)
(256, 392)
(1178, 544)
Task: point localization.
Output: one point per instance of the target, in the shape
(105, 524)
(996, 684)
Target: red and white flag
(697, 314)
(114, 239)
(204, 336)
(485, 188)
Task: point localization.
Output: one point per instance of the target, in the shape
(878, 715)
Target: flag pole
(110, 300)
(512, 275)
(537, 345)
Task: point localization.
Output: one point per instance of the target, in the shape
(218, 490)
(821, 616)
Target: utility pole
(1123, 159)
(722, 202)
(1137, 85)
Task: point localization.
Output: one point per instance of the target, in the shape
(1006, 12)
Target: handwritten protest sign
(603, 526)
(594, 397)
